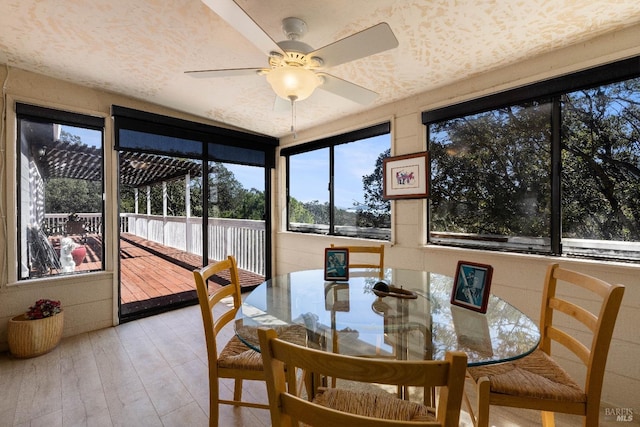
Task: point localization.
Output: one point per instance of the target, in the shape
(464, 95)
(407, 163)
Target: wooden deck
(151, 271)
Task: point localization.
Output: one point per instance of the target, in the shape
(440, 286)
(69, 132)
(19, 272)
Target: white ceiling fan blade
(244, 24)
(347, 89)
(367, 42)
(229, 72)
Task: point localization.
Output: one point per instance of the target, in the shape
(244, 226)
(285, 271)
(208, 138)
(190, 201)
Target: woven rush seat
(374, 405)
(236, 354)
(534, 376)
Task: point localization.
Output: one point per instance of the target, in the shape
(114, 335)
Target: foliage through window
(494, 184)
(335, 185)
(490, 178)
(601, 170)
(60, 193)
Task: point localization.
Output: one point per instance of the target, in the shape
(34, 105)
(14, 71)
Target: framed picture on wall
(406, 177)
(471, 286)
(336, 264)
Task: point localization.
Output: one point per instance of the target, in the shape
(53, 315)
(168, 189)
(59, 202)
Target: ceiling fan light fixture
(293, 82)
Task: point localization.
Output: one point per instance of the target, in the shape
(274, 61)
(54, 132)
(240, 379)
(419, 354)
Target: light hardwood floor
(150, 372)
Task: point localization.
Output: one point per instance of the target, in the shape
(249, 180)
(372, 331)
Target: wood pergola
(63, 159)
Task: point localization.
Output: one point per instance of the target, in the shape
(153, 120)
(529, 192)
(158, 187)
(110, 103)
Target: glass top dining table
(349, 318)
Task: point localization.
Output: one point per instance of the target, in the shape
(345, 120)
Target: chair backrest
(286, 404)
(601, 323)
(360, 261)
(225, 270)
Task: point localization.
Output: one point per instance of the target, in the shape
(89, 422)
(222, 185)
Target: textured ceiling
(141, 48)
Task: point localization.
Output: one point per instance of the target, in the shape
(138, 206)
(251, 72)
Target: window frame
(45, 115)
(330, 143)
(165, 135)
(552, 89)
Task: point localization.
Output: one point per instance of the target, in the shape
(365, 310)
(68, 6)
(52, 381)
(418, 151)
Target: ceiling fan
(295, 69)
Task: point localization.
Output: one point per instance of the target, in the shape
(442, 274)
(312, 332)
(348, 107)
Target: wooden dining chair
(236, 360)
(537, 381)
(359, 261)
(353, 407)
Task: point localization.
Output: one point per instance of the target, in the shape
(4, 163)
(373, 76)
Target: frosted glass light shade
(293, 82)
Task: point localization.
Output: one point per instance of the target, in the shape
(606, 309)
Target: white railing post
(148, 209)
(164, 211)
(187, 207)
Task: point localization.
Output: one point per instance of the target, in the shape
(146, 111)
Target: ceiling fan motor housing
(294, 28)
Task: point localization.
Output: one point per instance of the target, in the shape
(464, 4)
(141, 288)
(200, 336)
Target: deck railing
(56, 223)
(242, 238)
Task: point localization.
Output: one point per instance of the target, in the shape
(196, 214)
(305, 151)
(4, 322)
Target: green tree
(490, 172)
(250, 205)
(127, 199)
(66, 195)
(378, 213)
(175, 198)
(601, 159)
(69, 137)
(319, 211)
(298, 212)
(225, 192)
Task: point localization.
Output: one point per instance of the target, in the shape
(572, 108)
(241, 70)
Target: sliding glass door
(189, 195)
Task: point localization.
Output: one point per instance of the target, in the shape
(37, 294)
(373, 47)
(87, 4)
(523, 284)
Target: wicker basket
(30, 338)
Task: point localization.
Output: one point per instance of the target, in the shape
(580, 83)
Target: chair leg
(469, 406)
(484, 389)
(237, 390)
(213, 403)
(548, 419)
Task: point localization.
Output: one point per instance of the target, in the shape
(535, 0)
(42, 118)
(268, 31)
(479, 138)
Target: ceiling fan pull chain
(293, 116)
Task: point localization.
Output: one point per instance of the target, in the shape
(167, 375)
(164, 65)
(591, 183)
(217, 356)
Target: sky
(89, 137)
(310, 171)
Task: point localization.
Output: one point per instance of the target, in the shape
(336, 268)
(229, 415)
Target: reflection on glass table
(347, 317)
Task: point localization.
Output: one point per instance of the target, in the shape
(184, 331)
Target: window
(494, 183)
(309, 191)
(490, 178)
(334, 185)
(601, 170)
(60, 178)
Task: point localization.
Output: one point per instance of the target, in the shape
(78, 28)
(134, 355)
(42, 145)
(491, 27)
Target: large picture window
(60, 178)
(334, 185)
(554, 170)
(491, 178)
(601, 170)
